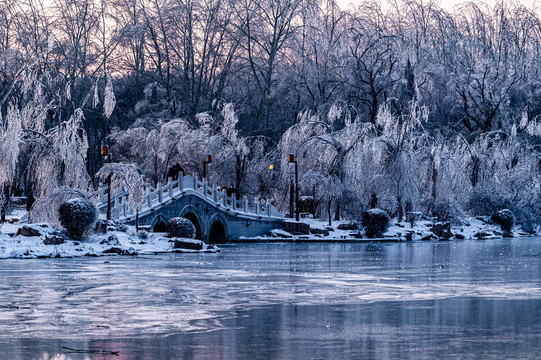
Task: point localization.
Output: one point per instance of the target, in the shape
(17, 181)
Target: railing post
(205, 187)
(195, 181)
(160, 192)
(149, 197)
(256, 203)
(215, 193)
(170, 187)
(224, 197)
(101, 195)
(245, 205)
(268, 207)
(180, 181)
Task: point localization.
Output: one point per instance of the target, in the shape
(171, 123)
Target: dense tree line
(404, 100)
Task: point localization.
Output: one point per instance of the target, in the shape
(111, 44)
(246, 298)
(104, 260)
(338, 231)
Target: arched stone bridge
(217, 217)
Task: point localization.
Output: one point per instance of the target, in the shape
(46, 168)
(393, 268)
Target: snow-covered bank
(343, 231)
(14, 245)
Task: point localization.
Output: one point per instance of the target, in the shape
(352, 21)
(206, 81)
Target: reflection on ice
(74, 299)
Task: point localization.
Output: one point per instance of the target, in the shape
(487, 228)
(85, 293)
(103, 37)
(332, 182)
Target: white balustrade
(268, 207)
(163, 193)
(149, 197)
(170, 187)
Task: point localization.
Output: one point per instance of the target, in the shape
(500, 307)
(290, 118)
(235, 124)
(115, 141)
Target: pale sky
(447, 4)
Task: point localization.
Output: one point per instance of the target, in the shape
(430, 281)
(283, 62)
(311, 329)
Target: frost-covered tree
(10, 138)
(323, 143)
(58, 157)
(231, 148)
(125, 177)
(402, 142)
(45, 209)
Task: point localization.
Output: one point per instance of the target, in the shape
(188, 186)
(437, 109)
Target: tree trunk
(329, 212)
(337, 213)
(5, 203)
(434, 182)
(400, 210)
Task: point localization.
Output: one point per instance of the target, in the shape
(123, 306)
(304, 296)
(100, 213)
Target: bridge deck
(175, 189)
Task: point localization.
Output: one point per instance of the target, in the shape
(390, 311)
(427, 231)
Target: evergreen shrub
(180, 227)
(78, 217)
(375, 222)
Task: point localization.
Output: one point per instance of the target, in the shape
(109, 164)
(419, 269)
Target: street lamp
(207, 161)
(107, 157)
(291, 160)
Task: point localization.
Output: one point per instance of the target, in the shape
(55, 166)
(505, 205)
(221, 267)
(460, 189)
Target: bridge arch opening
(217, 233)
(191, 216)
(160, 226)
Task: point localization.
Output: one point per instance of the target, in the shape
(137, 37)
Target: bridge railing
(173, 189)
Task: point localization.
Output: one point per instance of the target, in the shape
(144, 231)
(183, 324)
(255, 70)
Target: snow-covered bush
(180, 227)
(77, 216)
(375, 222)
(505, 219)
(45, 209)
(482, 203)
(527, 214)
(447, 212)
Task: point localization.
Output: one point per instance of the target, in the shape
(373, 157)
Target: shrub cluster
(375, 222)
(77, 216)
(505, 219)
(527, 214)
(446, 212)
(180, 227)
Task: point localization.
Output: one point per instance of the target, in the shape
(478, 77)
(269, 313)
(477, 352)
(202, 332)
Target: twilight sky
(449, 4)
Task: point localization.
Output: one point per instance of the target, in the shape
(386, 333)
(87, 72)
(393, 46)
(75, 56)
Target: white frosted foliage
(96, 99)
(109, 101)
(10, 134)
(125, 176)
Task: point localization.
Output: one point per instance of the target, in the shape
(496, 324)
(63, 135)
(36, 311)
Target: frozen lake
(422, 300)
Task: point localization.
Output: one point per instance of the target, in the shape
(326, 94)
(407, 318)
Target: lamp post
(208, 160)
(291, 160)
(107, 157)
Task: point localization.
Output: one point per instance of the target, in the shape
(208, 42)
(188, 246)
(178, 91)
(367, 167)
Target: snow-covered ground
(129, 242)
(126, 242)
(473, 228)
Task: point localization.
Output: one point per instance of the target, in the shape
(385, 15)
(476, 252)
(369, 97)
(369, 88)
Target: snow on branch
(109, 101)
(128, 177)
(45, 209)
(10, 135)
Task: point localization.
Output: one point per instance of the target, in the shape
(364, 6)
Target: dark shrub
(77, 216)
(482, 203)
(447, 212)
(505, 219)
(180, 227)
(527, 213)
(375, 222)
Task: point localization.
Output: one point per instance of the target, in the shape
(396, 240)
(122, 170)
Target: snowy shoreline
(131, 243)
(112, 243)
(473, 229)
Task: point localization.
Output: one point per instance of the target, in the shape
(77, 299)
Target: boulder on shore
(188, 244)
(442, 230)
(348, 226)
(294, 227)
(28, 231)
